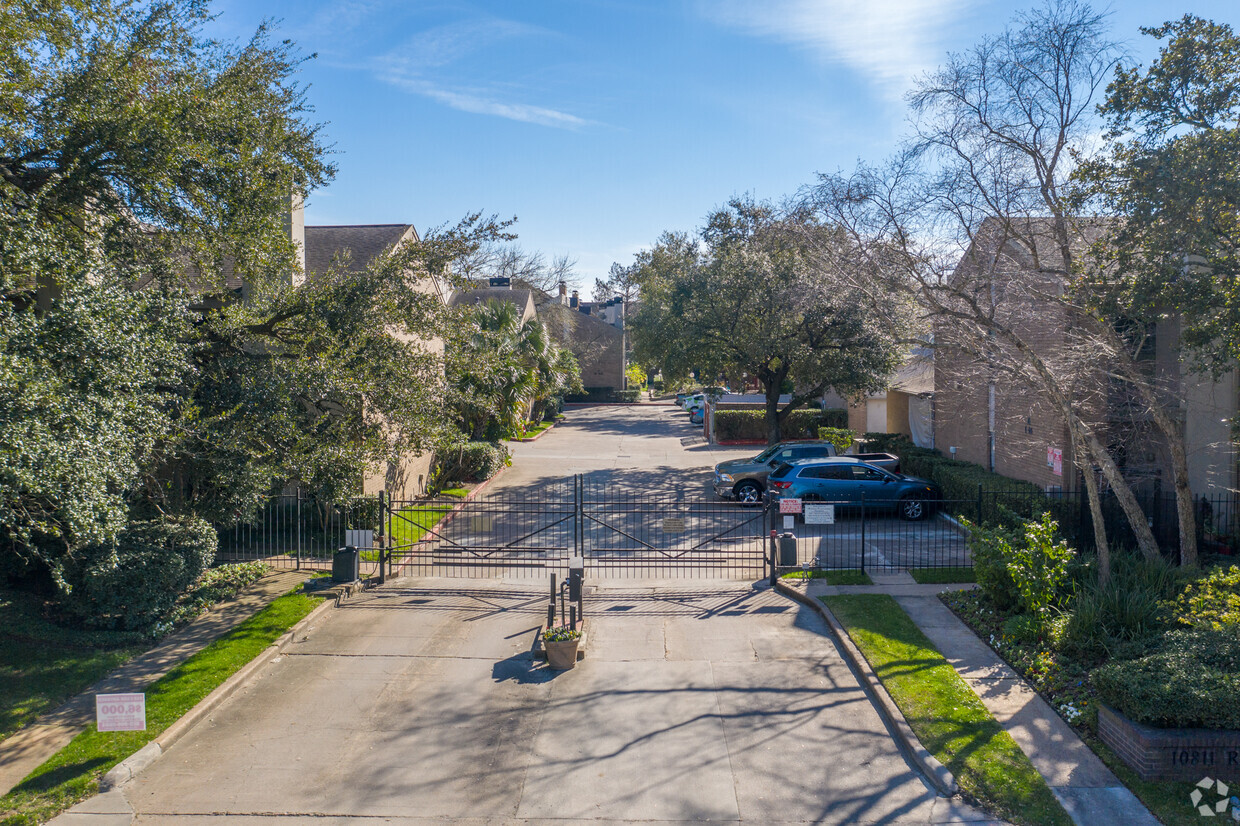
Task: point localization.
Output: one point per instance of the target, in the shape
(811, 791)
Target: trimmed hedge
(473, 462)
(961, 481)
(751, 424)
(628, 396)
(836, 417)
(1191, 681)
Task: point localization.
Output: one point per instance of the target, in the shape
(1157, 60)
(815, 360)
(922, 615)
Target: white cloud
(416, 64)
(890, 41)
(481, 103)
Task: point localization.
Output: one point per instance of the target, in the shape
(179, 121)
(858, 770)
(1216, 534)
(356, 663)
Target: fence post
(299, 525)
(382, 534)
(863, 532)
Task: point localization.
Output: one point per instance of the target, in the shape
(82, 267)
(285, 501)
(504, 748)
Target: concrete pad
(609, 725)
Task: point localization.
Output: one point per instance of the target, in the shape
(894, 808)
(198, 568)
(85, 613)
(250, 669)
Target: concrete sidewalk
(1088, 790)
(28, 748)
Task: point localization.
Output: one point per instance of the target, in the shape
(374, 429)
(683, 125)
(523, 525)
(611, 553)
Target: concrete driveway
(419, 703)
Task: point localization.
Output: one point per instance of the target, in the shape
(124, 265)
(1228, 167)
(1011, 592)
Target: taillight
(781, 485)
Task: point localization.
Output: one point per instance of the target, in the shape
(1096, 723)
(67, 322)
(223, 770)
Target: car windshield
(766, 454)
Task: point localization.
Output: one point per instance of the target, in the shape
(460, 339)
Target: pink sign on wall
(1057, 463)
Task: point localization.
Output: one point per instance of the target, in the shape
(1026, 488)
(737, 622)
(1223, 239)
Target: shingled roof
(363, 243)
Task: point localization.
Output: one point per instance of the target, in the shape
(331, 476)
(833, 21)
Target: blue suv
(848, 482)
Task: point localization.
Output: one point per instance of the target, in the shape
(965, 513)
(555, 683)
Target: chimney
(295, 225)
(572, 302)
(563, 293)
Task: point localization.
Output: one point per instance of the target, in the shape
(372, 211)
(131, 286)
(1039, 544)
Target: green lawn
(73, 773)
(945, 714)
(942, 576)
(43, 664)
(842, 577)
(408, 525)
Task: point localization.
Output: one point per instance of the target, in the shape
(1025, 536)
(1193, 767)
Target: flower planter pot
(562, 655)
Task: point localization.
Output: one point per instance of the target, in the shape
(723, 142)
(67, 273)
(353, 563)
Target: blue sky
(602, 123)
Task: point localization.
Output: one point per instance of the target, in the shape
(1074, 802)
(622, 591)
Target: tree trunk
(1127, 502)
(771, 385)
(1186, 515)
(1102, 547)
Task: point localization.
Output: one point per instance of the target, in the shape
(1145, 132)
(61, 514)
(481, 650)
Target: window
(827, 472)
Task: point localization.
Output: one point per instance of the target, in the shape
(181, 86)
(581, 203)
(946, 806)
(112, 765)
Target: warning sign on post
(120, 712)
(789, 505)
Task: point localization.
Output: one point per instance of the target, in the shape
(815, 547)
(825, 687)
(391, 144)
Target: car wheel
(912, 508)
(748, 493)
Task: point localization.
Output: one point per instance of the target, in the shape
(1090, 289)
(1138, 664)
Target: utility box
(576, 577)
(787, 550)
(346, 565)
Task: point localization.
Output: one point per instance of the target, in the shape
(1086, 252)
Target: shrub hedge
(835, 417)
(628, 396)
(131, 585)
(473, 462)
(751, 424)
(1192, 680)
(841, 438)
(961, 482)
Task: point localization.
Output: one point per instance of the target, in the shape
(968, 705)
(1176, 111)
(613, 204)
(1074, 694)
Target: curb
(936, 773)
(135, 763)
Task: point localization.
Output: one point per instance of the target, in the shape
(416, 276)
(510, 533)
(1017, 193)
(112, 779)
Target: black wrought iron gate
(620, 532)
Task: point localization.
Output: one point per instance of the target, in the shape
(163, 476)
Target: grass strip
(72, 774)
(843, 577)
(942, 576)
(945, 714)
(408, 525)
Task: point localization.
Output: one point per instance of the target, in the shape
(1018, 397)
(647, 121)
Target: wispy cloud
(417, 64)
(890, 41)
(482, 103)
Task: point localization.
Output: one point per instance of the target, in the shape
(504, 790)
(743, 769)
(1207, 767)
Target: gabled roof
(363, 243)
(524, 299)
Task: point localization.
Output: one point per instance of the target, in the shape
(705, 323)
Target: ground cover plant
(1158, 643)
(944, 713)
(73, 773)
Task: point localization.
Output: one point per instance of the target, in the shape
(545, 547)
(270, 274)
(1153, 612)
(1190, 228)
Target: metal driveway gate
(620, 533)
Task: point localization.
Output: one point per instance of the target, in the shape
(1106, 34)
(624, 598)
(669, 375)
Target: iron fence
(625, 533)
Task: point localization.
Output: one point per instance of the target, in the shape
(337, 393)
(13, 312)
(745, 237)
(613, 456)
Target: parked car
(745, 479)
(697, 415)
(848, 481)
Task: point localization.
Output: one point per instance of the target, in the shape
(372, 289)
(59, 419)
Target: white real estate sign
(120, 712)
(819, 514)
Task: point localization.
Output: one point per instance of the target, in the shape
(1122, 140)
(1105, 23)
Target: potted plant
(561, 644)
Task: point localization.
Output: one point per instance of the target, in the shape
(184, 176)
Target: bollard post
(774, 550)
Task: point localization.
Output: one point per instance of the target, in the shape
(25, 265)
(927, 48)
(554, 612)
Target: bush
(628, 396)
(472, 462)
(835, 417)
(751, 424)
(134, 584)
(1127, 612)
(214, 585)
(842, 439)
(988, 548)
(1212, 601)
(1192, 680)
